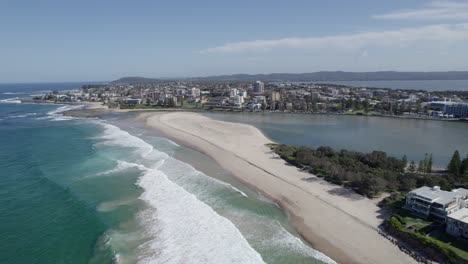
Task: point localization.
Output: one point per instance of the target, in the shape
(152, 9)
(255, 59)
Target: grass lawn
(190, 105)
(410, 221)
(414, 224)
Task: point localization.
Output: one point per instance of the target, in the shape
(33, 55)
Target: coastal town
(292, 97)
(425, 210)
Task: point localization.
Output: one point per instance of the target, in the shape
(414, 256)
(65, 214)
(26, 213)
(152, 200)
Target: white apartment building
(457, 223)
(195, 92)
(432, 202)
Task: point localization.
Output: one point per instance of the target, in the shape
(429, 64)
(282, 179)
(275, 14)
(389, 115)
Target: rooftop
(435, 194)
(460, 215)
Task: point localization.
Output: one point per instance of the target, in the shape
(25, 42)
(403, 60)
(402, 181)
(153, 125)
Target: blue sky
(51, 41)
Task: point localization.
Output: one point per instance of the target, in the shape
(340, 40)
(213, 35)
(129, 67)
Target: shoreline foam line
(326, 221)
(182, 227)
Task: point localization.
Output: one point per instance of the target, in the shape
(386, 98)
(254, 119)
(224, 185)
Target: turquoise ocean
(111, 191)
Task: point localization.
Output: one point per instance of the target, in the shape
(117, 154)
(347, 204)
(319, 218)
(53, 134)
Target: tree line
(373, 173)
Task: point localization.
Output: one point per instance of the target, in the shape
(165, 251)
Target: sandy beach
(332, 219)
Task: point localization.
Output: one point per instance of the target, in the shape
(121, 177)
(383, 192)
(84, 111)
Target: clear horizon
(54, 41)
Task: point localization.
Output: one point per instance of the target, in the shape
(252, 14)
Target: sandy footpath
(332, 219)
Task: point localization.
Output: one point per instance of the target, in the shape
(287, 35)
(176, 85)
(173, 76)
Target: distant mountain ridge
(321, 76)
(131, 80)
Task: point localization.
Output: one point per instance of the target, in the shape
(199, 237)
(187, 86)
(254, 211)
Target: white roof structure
(436, 195)
(460, 215)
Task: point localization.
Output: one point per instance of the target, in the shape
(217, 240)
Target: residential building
(432, 202)
(275, 96)
(233, 92)
(196, 92)
(259, 87)
(456, 109)
(457, 223)
(133, 101)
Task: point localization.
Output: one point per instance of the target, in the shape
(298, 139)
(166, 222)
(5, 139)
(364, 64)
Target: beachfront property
(457, 223)
(452, 109)
(432, 202)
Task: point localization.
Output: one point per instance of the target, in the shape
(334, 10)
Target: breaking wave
(182, 229)
(11, 101)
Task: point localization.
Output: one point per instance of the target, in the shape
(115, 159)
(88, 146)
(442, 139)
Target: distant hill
(344, 76)
(322, 76)
(130, 80)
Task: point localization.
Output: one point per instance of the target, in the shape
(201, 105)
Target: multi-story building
(259, 87)
(432, 202)
(275, 96)
(457, 223)
(196, 92)
(456, 109)
(233, 92)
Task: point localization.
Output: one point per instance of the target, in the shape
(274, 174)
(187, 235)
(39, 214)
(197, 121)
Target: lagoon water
(427, 85)
(396, 136)
(111, 191)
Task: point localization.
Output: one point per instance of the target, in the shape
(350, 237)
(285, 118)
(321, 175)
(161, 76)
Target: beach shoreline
(344, 226)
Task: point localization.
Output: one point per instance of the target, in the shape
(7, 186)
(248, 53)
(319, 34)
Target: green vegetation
(421, 231)
(187, 105)
(139, 106)
(455, 164)
(369, 173)
(425, 166)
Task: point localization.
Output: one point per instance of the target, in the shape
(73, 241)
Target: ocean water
(111, 191)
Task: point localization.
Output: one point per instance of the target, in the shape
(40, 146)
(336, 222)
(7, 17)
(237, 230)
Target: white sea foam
(111, 205)
(121, 166)
(181, 221)
(15, 93)
(166, 140)
(11, 101)
(182, 228)
(239, 191)
(64, 108)
(117, 137)
(176, 167)
(265, 231)
(23, 115)
(284, 239)
(188, 230)
(56, 114)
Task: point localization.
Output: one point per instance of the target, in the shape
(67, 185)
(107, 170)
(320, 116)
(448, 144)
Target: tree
(421, 166)
(357, 104)
(429, 164)
(455, 164)
(412, 167)
(404, 159)
(365, 103)
(418, 107)
(425, 162)
(314, 105)
(407, 183)
(464, 167)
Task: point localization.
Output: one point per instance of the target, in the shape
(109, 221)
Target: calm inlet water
(395, 136)
(110, 191)
(428, 85)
